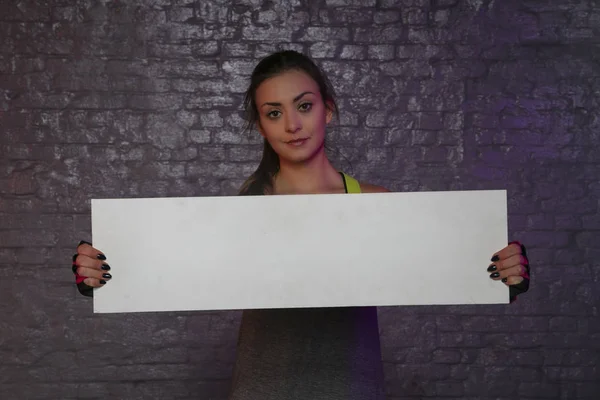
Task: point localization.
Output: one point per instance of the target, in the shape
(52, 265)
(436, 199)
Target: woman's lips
(297, 142)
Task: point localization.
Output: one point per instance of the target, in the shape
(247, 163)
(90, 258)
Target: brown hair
(261, 181)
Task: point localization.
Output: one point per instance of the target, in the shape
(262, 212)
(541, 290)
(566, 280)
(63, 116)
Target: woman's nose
(292, 123)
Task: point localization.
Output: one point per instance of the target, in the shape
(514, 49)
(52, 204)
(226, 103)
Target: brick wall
(142, 98)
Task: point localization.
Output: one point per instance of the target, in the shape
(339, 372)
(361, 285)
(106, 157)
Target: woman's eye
(273, 114)
(305, 106)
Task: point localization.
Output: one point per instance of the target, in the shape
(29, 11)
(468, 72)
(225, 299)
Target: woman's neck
(311, 177)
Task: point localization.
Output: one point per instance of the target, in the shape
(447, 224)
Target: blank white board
(224, 253)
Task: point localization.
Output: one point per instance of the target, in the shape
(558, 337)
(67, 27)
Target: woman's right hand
(90, 268)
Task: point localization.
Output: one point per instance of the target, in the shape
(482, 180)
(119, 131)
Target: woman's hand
(90, 268)
(511, 266)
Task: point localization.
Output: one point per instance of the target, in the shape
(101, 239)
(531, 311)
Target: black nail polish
(102, 282)
(101, 257)
(106, 267)
(75, 257)
(492, 268)
(495, 275)
(74, 268)
(83, 242)
(504, 280)
(107, 276)
(495, 258)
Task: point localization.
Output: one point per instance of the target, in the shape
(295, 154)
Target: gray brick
(263, 50)
(256, 33)
(353, 52)
(207, 48)
(388, 34)
(345, 135)
(453, 121)
(212, 153)
(441, 17)
(348, 119)
(376, 119)
(239, 67)
(180, 14)
(381, 52)
(443, 4)
(317, 34)
(414, 16)
(185, 69)
(397, 136)
(210, 119)
(199, 135)
(185, 32)
(350, 3)
(539, 389)
(429, 121)
(454, 339)
(236, 49)
(159, 124)
(186, 154)
(266, 17)
(346, 16)
(323, 50)
(220, 170)
(235, 137)
(449, 389)
(446, 356)
(587, 390)
(421, 35)
(235, 121)
(404, 3)
(412, 51)
(155, 102)
(386, 17)
(244, 153)
(208, 102)
(211, 12)
(412, 68)
(423, 138)
(573, 374)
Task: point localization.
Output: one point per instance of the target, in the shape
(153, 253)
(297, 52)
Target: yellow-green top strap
(352, 185)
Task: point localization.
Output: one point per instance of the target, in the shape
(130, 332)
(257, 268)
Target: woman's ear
(329, 107)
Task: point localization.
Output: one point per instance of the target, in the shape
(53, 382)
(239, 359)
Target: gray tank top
(309, 354)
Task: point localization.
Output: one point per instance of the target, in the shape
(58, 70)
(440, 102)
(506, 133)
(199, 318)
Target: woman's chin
(303, 155)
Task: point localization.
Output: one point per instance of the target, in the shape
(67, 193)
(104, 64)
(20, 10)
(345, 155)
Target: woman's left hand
(511, 266)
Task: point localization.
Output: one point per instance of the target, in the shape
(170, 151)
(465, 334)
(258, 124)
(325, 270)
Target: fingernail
(102, 282)
(74, 268)
(75, 257)
(504, 280)
(495, 275)
(101, 257)
(491, 268)
(495, 258)
(107, 276)
(106, 267)
(84, 242)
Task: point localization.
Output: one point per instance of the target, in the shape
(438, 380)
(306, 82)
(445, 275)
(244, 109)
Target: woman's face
(292, 116)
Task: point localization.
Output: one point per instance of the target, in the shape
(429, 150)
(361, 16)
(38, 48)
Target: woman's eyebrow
(275, 104)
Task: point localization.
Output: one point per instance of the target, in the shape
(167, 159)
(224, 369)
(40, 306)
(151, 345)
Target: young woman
(330, 353)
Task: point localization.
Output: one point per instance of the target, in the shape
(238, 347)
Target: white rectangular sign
(223, 253)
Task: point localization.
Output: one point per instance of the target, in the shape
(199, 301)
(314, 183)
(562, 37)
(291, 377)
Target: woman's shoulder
(370, 188)
(363, 187)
